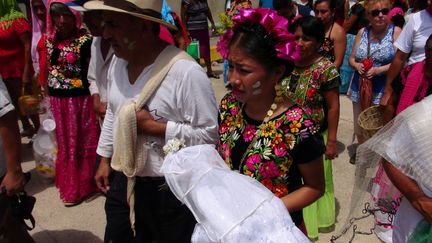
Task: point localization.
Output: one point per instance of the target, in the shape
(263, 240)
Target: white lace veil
(407, 144)
(228, 206)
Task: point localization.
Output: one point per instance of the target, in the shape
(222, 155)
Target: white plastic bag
(44, 143)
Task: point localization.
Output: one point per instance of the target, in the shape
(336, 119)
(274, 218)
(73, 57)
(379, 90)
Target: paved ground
(85, 223)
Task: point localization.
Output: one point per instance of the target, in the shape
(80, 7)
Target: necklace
(269, 114)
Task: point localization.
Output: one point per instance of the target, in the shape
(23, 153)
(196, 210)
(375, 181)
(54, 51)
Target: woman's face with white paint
(249, 79)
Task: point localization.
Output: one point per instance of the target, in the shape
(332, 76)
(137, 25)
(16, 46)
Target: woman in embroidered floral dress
(15, 61)
(314, 85)
(68, 49)
(335, 40)
(262, 134)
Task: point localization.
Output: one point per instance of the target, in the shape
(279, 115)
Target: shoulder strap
(368, 41)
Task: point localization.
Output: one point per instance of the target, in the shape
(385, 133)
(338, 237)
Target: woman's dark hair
(332, 4)
(60, 8)
(257, 43)
(280, 4)
(312, 27)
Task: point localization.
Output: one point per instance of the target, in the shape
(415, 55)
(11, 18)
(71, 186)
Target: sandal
(212, 75)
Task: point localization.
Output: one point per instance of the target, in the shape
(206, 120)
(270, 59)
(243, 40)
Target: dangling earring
(279, 97)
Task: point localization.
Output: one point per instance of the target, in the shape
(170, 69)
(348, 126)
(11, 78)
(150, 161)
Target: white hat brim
(99, 5)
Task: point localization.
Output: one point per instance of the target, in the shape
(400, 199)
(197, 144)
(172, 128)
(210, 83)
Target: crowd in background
(286, 65)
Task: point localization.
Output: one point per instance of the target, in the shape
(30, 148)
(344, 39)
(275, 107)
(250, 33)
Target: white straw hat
(137, 8)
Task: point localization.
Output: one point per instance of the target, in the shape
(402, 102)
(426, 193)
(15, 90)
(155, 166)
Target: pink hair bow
(275, 25)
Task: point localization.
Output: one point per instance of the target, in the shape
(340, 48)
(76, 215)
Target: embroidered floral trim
(65, 64)
(269, 159)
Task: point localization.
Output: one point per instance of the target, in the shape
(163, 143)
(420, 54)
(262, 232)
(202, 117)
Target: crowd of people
(121, 86)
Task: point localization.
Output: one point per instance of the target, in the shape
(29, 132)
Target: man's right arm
(105, 150)
(14, 180)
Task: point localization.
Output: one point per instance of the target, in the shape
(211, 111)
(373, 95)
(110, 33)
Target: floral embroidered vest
(66, 76)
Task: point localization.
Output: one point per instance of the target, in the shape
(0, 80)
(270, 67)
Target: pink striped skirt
(77, 134)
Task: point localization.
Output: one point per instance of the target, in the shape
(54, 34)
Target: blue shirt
(266, 4)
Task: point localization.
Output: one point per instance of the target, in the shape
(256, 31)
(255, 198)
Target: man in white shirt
(182, 107)
(101, 55)
(11, 176)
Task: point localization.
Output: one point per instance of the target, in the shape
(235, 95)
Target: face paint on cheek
(131, 45)
(256, 88)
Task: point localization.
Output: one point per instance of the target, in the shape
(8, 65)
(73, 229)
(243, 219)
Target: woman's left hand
(331, 151)
(372, 72)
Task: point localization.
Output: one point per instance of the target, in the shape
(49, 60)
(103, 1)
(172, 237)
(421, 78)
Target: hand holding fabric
(14, 182)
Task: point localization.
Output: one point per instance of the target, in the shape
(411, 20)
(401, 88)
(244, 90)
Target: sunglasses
(376, 12)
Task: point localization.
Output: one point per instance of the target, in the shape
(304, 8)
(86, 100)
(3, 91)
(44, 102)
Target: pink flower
(294, 114)
(249, 133)
(316, 74)
(278, 123)
(226, 152)
(234, 111)
(269, 170)
(308, 123)
(223, 128)
(280, 150)
(252, 160)
(71, 57)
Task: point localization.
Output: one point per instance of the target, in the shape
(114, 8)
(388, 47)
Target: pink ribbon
(275, 25)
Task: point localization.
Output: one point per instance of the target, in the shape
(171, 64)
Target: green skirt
(321, 215)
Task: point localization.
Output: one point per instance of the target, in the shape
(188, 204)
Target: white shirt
(98, 69)
(5, 107)
(185, 101)
(414, 34)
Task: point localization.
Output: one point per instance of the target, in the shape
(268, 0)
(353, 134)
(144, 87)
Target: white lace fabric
(228, 206)
(406, 143)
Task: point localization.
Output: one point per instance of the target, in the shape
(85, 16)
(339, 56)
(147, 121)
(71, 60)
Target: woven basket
(370, 121)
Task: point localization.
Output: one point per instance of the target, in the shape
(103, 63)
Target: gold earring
(279, 97)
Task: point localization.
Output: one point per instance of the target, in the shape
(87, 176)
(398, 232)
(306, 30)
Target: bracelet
(331, 141)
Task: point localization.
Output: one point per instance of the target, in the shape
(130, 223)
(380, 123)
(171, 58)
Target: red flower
(268, 183)
(367, 64)
(311, 92)
(71, 57)
(280, 190)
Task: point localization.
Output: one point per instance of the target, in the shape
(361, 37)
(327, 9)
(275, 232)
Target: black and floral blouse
(285, 141)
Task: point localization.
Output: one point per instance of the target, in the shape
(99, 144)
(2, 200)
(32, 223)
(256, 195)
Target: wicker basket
(370, 121)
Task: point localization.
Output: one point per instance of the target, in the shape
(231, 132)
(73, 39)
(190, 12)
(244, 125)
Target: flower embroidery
(268, 170)
(280, 150)
(268, 129)
(290, 140)
(267, 183)
(77, 83)
(295, 127)
(249, 133)
(311, 92)
(268, 159)
(71, 57)
(280, 190)
(65, 69)
(278, 138)
(252, 160)
(294, 114)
